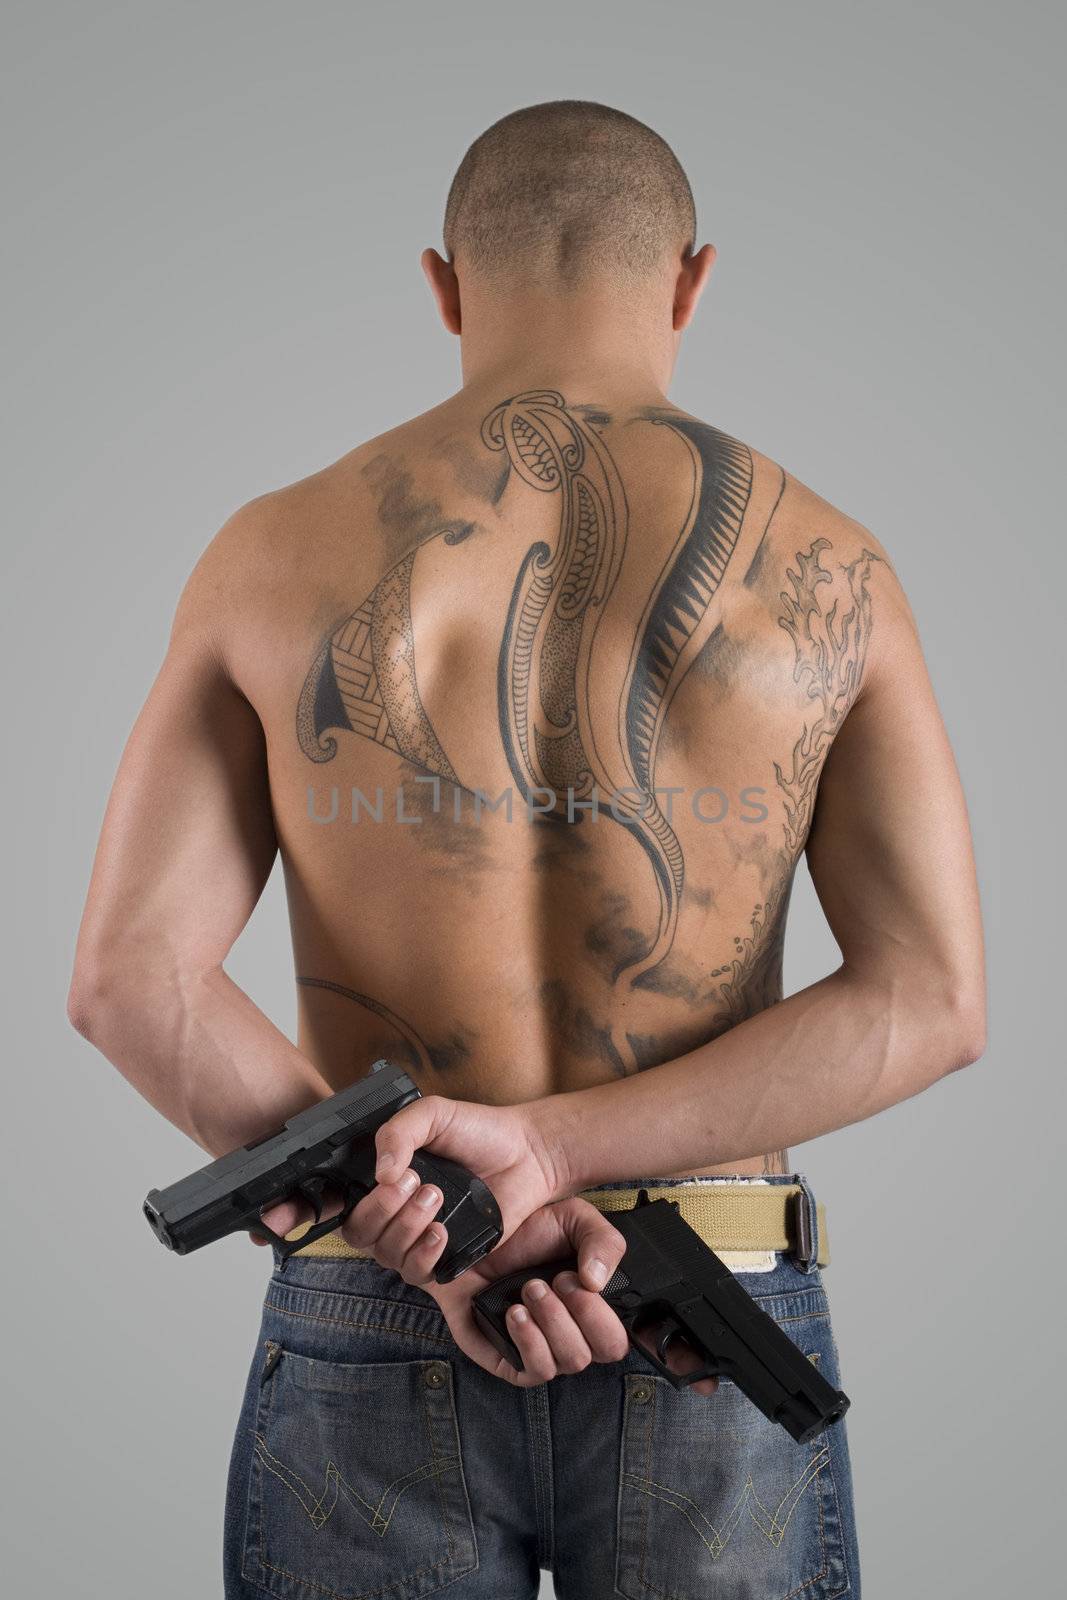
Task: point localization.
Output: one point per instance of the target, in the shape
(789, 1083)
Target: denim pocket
(714, 1499)
(357, 1485)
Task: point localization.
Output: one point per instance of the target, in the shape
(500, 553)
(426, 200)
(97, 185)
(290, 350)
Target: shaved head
(567, 190)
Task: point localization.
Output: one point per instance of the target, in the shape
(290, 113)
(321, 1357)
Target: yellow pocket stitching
(774, 1531)
(336, 1480)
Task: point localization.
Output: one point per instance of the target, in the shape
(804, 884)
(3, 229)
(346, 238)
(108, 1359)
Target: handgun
(669, 1274)
(327, 1150)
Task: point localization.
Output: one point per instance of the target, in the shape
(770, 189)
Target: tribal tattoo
(566, 732)
(407, 1044)
(364, 679)
(561, 732)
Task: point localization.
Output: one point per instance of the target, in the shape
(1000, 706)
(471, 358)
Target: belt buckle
(802, 1251)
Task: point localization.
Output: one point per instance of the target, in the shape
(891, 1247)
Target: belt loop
(805, 1252)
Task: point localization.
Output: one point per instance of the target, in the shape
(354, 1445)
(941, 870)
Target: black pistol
(328, 1149)
(669, 1273)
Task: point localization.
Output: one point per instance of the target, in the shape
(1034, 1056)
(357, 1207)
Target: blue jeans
(374, 1461)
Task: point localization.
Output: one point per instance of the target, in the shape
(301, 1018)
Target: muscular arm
(187, 846)
(890, 857)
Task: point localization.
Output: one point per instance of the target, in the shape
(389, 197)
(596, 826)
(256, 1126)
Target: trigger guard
(699, 1372)
(317, 1230)
(268, 1235)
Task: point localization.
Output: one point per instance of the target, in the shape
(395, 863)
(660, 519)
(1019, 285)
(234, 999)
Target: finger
(364, 1223)
(289, 1214)
(420, 1260)
(565, 1340)
(555, 1230)
(285, 1216)
(601, 1328)
(679, 1357)
(682, 1358)
(409, 1130)
(538, 1364)
(407, 1227)
(598, 1245)
(454, 1300)
(539, 1237)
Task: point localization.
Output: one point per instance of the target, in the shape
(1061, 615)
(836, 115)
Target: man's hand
(561, 1331)
(502, 1145)
(560, 1327)
(566, 1327)
(563, 1326)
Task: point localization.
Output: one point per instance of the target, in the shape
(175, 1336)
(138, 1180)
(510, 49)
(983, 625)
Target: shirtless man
(540, 696)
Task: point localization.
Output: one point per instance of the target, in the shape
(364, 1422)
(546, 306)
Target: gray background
(214, 214)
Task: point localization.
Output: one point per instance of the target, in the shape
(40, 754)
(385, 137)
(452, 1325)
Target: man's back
(547, 686)
(536, 694)
(541, 696)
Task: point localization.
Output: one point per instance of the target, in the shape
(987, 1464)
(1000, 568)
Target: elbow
(118, 992)
(91, 1000)
(964, 1014)
(108, 989)
(79, 1012)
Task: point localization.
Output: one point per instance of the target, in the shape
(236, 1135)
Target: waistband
(735, 1216)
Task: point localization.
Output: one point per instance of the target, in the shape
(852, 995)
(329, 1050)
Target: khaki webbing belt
(742, 1218)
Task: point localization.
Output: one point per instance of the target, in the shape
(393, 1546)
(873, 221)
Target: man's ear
(694, 274)
(441, 276)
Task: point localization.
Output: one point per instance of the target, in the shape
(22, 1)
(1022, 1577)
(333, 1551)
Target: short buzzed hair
(565, 189)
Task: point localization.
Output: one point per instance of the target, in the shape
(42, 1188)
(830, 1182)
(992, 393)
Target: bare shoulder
(816, 554)
(272, 527)
(288, 567)
(803, 513)
(281, 547)
(790, 514)
(367, 498)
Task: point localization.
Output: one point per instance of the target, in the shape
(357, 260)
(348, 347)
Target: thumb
(598, 1246)
(407, 1131)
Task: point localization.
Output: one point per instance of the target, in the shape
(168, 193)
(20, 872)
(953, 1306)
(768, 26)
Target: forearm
(839, 1051)
(200, 1051)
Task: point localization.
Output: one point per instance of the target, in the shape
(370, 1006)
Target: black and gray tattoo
(564, 730)
(830, 649)
(405, 1044)
(561, 732)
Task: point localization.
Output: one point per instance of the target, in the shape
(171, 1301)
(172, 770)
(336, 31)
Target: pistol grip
(468, 1213)
(489, 1307)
